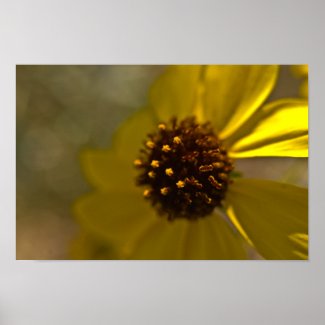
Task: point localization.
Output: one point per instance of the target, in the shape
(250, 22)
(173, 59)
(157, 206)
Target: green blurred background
(62, 109)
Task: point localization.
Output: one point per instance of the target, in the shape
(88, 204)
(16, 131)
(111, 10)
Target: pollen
(150, 144)
(180, 184)
(164, 190)
(147, 193)
(152, 174)
(169, 172)
(155, 164)
(223, 176)
(177, 140)
(185, 169)
(137, 163)
(166, 148)
(218, 164)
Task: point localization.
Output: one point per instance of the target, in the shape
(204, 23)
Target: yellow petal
(269, 213)
(301, 242)
(206, 238)
(87, 247)
(212, 238)
(283, 131)
(303, 89)
(114, 215)
(105, 170)
(300, 70)
(234, 92)
(175, 92)
(131, 135)
(162, 240)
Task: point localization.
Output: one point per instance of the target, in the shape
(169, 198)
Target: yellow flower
(301, 71)
(207, 213)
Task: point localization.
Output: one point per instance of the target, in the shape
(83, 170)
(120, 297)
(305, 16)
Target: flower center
(185, 169)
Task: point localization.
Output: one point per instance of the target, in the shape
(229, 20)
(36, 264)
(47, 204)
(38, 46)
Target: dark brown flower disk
(184, 168)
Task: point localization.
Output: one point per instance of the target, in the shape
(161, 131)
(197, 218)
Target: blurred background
(62, 109)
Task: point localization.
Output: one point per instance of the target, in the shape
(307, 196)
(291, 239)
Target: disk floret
(184, 168)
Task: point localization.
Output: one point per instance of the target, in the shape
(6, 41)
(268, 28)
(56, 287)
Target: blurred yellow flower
(199, 209)
(301, 71)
